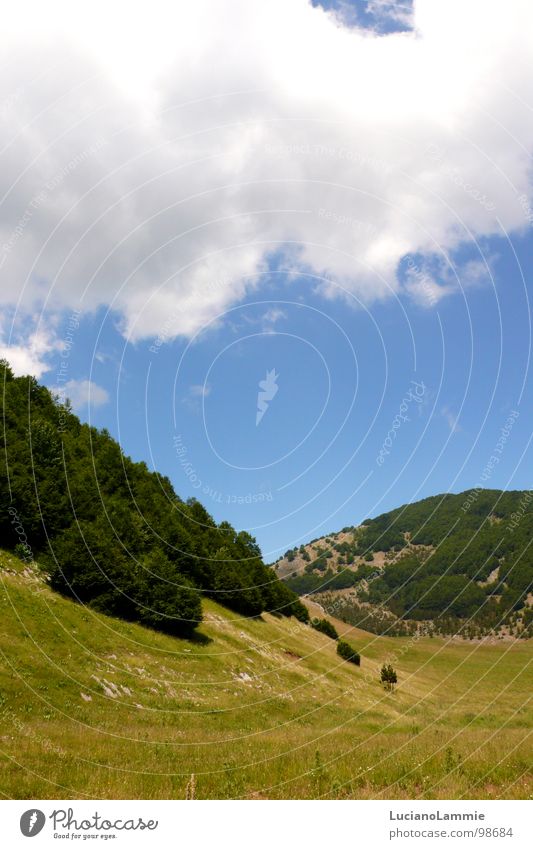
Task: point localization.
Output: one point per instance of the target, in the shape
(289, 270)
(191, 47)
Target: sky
(282, 251)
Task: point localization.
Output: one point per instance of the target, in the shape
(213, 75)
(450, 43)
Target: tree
(111, 533)
(325, 627)
(165, 600)
(299, 610)
(234, 587)
(280, 600)
(388, 676)
(347, 652)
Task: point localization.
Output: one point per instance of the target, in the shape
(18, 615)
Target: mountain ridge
(459, 561)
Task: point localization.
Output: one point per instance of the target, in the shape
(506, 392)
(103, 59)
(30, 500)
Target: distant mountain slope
(463, 562)
(95, 707)
(109, 532)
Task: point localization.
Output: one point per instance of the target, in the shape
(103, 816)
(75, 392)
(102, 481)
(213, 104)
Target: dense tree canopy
(479, 562)
(466, 557)
(110, 532)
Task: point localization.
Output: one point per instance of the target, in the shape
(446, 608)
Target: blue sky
(332, 209)
(449, 375)
(382, 16)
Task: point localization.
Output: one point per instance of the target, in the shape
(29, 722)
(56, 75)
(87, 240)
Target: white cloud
(272, 316)
(400, 12)
(451, 419)
(423, 288)
(200, 390)
(23, 360)
(154, 167)
(28, 353)
(477, 272)
(427, 286)
(83, 393)
(195, 396)
(266, 320)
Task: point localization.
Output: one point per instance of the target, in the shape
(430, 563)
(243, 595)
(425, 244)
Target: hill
(447, 564)
(96, 707)
(148, 652)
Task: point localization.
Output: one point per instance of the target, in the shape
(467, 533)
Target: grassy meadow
(256, 708)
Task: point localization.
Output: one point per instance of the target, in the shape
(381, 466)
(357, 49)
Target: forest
(113, 534)
(449, 559)
(480, 562)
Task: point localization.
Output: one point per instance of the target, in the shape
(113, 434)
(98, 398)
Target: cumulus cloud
(399, 12)
(200, 390)
(156, 157)
(271, 317)
(28, 354)
(195, 396)
(428, 282)
(83, 393)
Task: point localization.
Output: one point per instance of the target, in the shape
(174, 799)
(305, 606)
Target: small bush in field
(325, 627)
(347, 652)
(388, 676)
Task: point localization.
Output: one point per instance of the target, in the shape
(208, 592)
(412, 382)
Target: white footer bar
(267, 824)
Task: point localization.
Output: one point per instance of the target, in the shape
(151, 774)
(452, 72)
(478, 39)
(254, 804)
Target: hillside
(148, 652)
(447, 564)
(93, 706)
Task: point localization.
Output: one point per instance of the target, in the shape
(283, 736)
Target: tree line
(113, 534)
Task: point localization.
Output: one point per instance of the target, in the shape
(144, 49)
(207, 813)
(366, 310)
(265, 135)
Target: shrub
(300, 611)
(325, 627)
(388, 676)
(347, 652)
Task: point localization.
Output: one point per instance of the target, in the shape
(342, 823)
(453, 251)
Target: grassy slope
(263, 710)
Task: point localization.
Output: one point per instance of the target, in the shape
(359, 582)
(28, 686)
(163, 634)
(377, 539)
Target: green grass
(257, 709)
